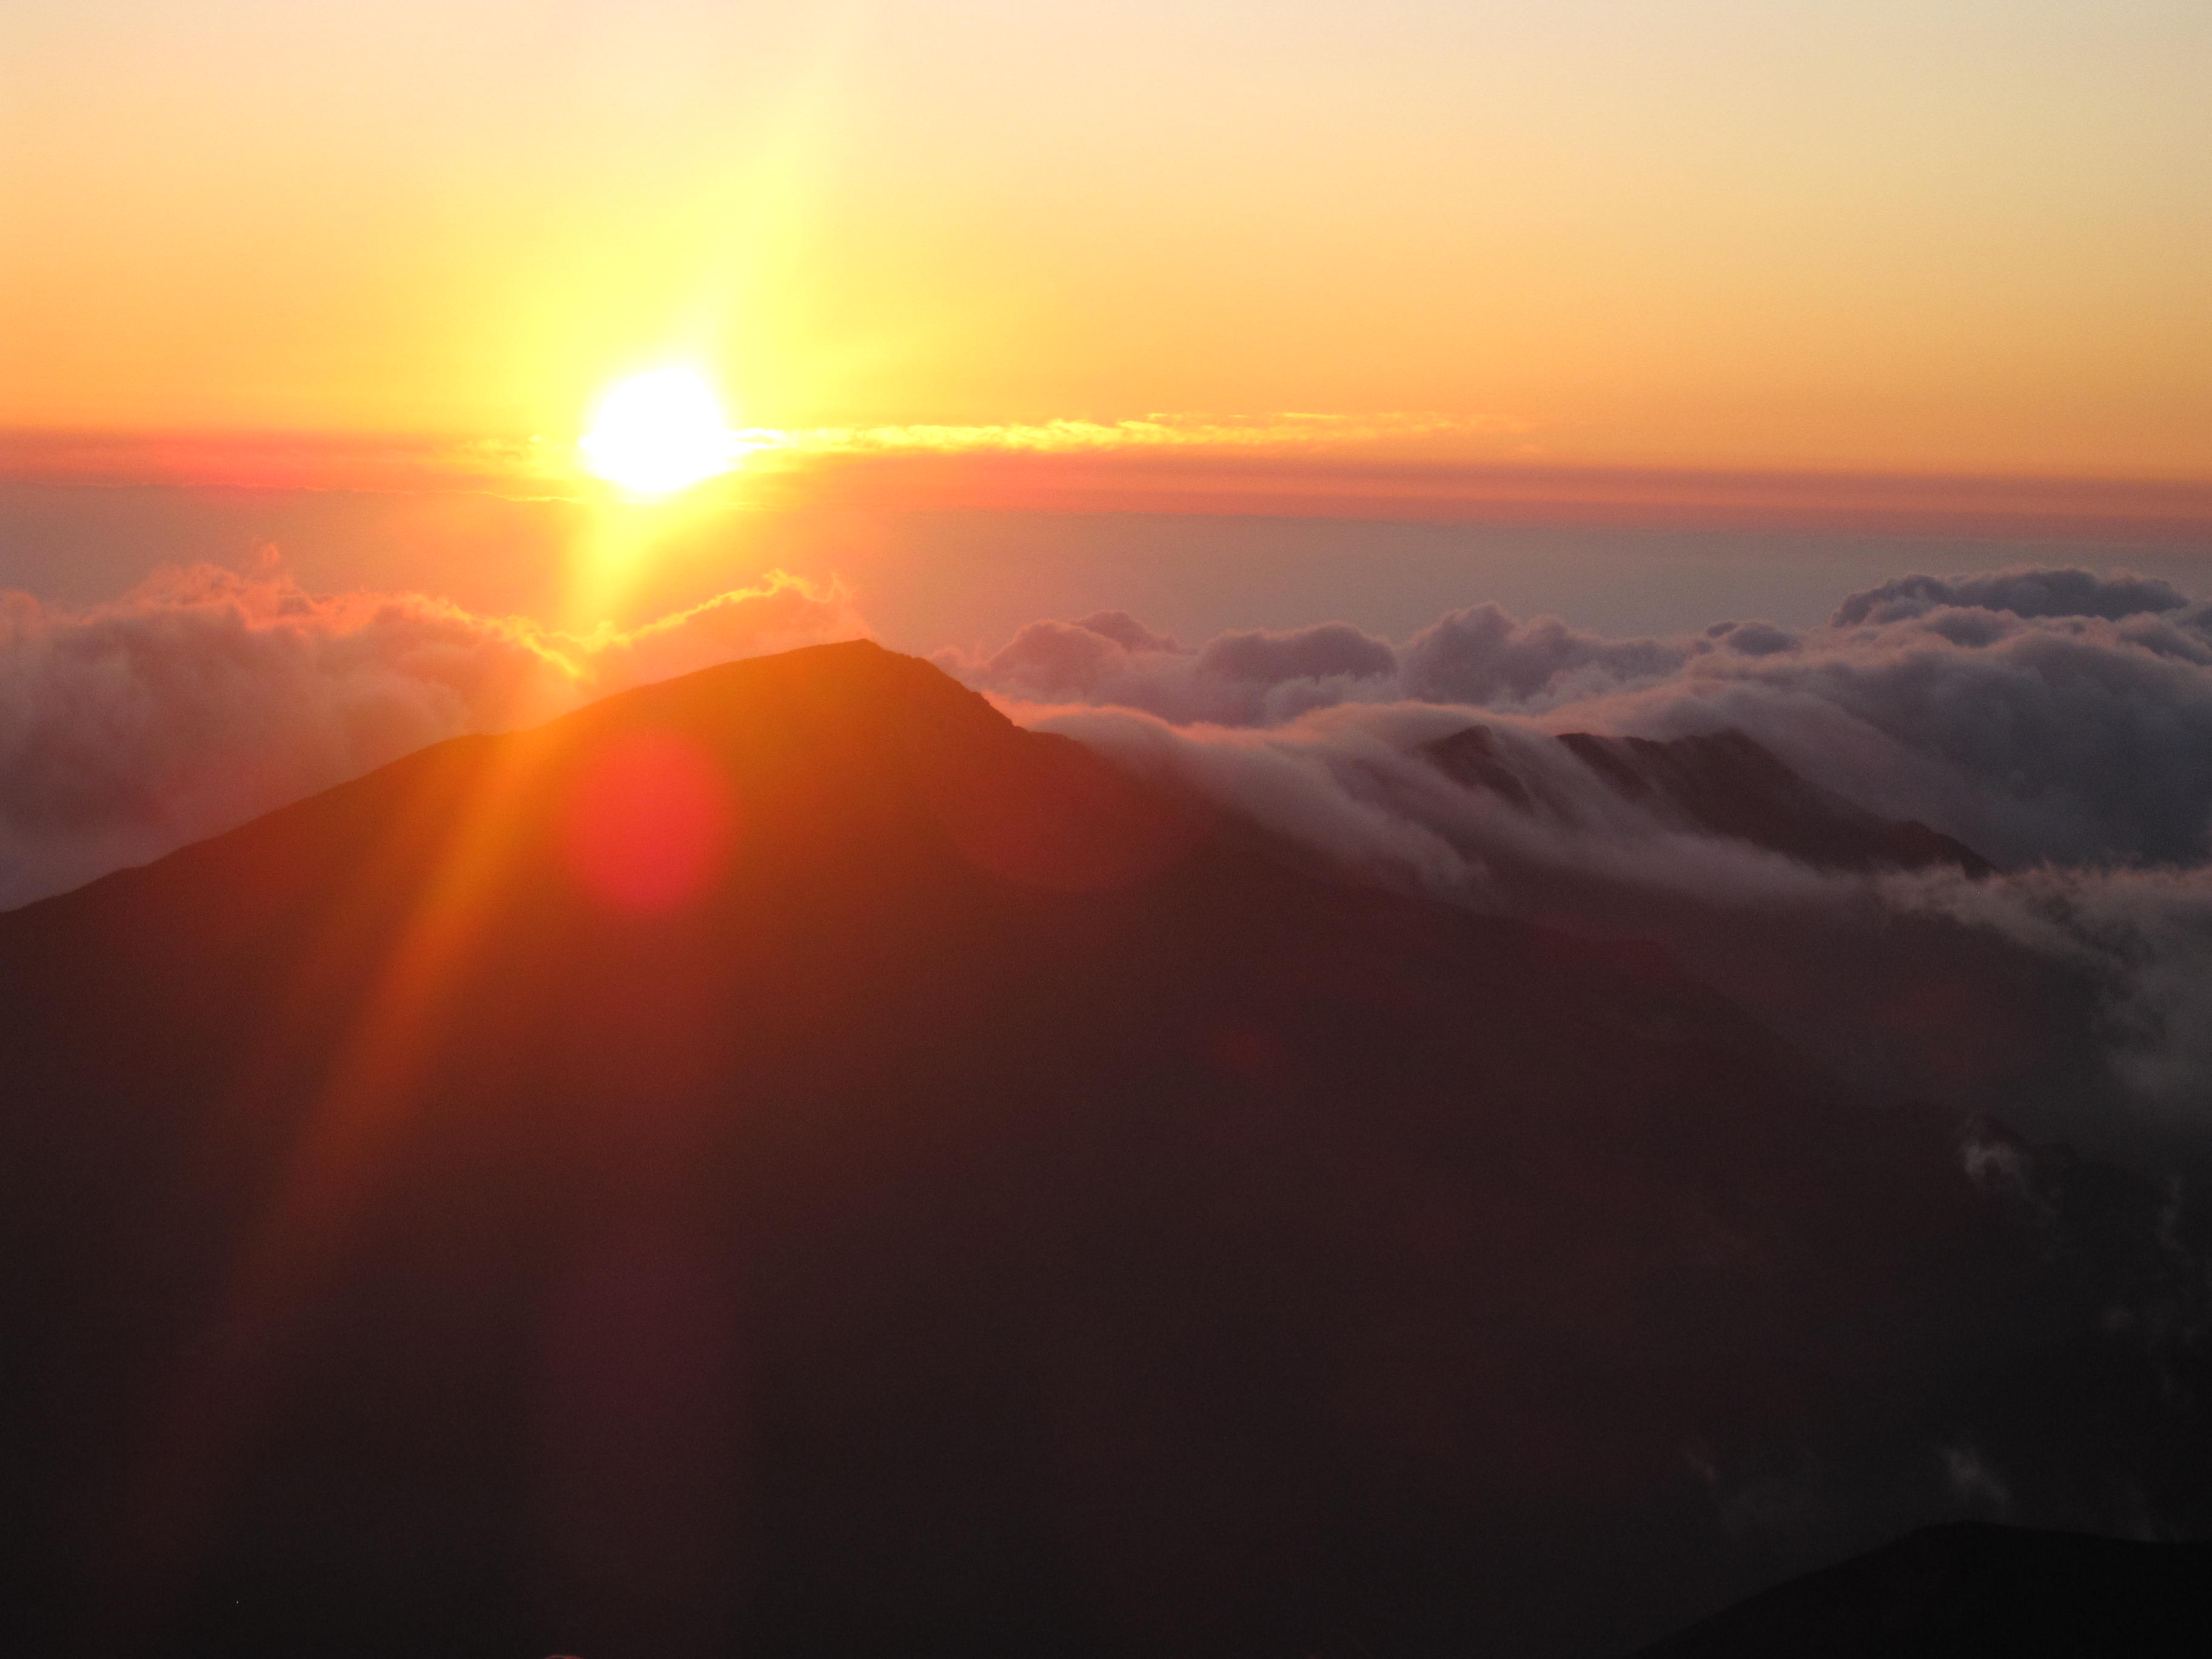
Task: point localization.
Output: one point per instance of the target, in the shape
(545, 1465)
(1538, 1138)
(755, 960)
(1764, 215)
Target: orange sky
(1733, 234)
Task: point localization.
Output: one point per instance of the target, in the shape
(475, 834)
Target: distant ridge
(1723, 783)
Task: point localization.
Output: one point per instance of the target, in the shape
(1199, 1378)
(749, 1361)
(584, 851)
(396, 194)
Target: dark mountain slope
(1970, 1589)
(1722, 783)
(1891, 1004)
(784, 1161)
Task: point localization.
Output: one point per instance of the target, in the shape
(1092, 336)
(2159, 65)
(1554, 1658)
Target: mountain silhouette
(1969, 1588)
(784, 1161)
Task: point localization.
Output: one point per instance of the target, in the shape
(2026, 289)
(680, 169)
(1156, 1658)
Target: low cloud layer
(2034, 713)
(205, 698)
(2058, 721)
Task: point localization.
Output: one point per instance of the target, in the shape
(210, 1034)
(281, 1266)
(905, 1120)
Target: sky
(1965, 236)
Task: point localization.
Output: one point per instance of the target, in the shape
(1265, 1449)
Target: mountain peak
(785, 1160)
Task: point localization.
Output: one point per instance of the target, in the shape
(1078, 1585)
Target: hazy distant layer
(174, 661)
(928, 580)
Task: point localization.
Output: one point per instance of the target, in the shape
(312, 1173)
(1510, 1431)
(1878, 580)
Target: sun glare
(657, 432)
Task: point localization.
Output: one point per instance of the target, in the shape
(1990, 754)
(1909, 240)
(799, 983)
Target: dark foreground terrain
(1969, 1588)
(784, 1163)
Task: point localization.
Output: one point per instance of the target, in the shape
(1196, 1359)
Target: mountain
(1970, 1589)
(1722, 783)
(784, 1161)
(1638, 838)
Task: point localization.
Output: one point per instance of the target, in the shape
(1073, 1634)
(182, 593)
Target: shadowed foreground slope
(784, 1161)
(1968, 1589)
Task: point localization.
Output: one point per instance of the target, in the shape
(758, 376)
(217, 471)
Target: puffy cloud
(1053, 658)
(205, 698)
(1331, 651)
(1243, 678)
(2025, 591)
(2034, 713)
(1482, 656)
(2074, 738)
(1751, 638)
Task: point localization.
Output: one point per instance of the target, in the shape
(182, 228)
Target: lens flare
(657, 432)
(648, 824)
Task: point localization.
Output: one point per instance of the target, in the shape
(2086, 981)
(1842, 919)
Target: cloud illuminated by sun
(659, 432)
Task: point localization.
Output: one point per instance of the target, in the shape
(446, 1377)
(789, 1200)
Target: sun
(657, 432)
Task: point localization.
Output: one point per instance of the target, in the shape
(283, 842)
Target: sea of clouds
(2057, 722)
(2034, 713)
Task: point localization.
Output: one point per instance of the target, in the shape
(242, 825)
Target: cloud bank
(2058, 721)
(205, 698)
(2034, 713)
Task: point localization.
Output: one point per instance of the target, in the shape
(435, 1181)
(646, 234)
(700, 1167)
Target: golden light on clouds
(1287, 431)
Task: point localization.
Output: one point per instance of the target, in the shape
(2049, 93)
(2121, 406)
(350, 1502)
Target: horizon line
(1360, 476)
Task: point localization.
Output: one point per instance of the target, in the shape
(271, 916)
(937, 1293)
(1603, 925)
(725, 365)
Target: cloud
(205, 698)
(781, 615)
(2142, 938)
(2080, 739)
(2072, 1000)
(2025, 592)
(2057, 720)
(2034, 713)
(1355, 781)
(1480, 656)
(1255, 677)
(1483, 656)
(1291, 430)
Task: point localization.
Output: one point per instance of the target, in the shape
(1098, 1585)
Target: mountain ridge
(995, 1206)
(1723, 783)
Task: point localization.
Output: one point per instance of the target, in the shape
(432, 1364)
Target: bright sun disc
(656, 434)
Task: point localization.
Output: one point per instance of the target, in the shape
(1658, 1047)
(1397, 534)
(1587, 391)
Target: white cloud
(2034, 713)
